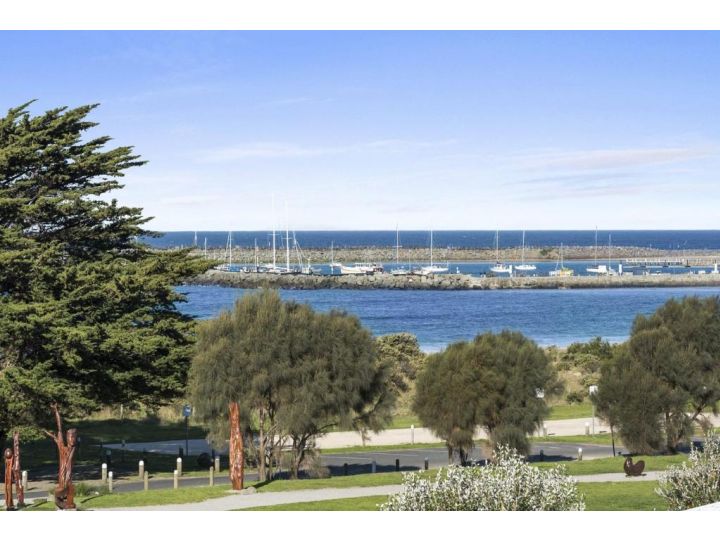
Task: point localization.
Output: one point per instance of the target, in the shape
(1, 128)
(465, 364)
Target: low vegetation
(696, 482)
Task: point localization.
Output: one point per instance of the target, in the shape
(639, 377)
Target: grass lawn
(598, 496)
(380, 448)
(564, 411)
(600, 438)
(615, 465)
(353, 504)
(622, 496)
(132, 430)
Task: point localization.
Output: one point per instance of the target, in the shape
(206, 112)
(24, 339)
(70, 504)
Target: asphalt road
(410, 459)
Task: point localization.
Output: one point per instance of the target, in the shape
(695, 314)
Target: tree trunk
(450, 454)
(237, 451)
(17, 469)
(8, 479)
(262, 473)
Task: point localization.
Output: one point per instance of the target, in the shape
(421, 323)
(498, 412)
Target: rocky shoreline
(448, 281)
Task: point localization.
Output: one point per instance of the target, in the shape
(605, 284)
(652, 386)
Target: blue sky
(366, 130)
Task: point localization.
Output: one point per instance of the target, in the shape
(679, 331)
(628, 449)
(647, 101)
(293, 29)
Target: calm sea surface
(454, 239)
(437, 318)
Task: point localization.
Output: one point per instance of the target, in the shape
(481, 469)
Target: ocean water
(680, 240)
(437, 318)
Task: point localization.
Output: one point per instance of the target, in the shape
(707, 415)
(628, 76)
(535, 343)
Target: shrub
(575, 397)
(695, 482)
(508, 483)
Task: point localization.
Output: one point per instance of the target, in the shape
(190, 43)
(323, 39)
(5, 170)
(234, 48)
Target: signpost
(187, 411)
(592, 390)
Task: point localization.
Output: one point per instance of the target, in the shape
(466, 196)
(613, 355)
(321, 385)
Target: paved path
(237, 501)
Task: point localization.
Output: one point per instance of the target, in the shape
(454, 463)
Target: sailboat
(398, 270)
(602, 269)
(561, 271)
(432, 269)
(522, 267)
(499, 267)
(227, 267)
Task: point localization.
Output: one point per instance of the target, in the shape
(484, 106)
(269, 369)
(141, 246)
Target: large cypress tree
(87, 313)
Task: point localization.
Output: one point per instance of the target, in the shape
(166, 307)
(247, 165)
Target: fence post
(212, 476)
(141, 468)
(217, 464)
(146, 483)
(179, 466)
(175, 479)
(110, 481)
(103, 472)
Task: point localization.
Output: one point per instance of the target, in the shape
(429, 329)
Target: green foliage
(576, 397)
(670, 364)
(87, 314)
(295, 373)
(695, 482)
(491, 382)
(587, 357)
(403, 356)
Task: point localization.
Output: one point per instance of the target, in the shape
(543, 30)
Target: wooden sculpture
(65, 491)
(237, 451)
(17, 470)
(633, 469)
(9, 480)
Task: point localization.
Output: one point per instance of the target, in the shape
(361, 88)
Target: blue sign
(187, 411)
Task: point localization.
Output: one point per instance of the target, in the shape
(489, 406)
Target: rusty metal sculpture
(17, 470)
(633, 469)
(237, 451)
(65, 491)
(9, 480)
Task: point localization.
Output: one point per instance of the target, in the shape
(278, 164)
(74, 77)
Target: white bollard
(110, 481)
(103, 472)
(179, 466)
(24, 480)
(146, 483)
(175, 479)
(412, 433)
(212, 477)
(217, 464)
(587, 428)
(579, 454)
(374, 466)
(141, 468)
(544, 430)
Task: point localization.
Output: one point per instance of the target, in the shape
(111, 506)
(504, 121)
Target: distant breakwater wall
(448, 281)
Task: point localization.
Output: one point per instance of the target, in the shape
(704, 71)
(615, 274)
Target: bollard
(427, 463)
(397, 464)
(345, 469)
(579, 454)
(146, 483)
(110, 481)
(587, 428)
(24, 481)
(212, 477)
(412, 433)
(179, 466)
(141, 468)
(217, 464)
(374, 466)
(544, 430)
(103, 472)
(542, 455)
(175, 479)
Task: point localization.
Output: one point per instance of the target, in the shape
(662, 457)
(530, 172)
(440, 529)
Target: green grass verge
(614, 465)
(600, 438)
(622, 496)
(565, 411)
(353, 504)
(153, 497)
(380, 448)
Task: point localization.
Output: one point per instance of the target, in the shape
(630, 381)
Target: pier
(249, 280)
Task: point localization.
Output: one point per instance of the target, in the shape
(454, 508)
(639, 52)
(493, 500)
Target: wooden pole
(237, 452)
(17, 470)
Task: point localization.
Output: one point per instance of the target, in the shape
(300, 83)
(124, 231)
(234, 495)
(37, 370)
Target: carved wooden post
(9, 480)
(65, 491)
(237, 453)
(17, 470)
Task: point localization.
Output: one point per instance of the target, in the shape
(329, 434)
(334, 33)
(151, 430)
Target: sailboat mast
(397, 245)
(596, 247)
(609, 248)
(273, 230)
(287, 239)
(523, 250)
(431, 247)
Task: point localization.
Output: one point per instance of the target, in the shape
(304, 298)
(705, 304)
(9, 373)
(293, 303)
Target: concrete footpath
(254, 500)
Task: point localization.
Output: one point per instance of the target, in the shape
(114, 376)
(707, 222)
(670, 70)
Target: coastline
(249, 280)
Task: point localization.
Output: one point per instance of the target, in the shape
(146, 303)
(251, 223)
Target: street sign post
(187, 411)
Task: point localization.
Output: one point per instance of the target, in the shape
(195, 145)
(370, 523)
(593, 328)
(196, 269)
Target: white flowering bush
(508, 483)
(695, 482)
